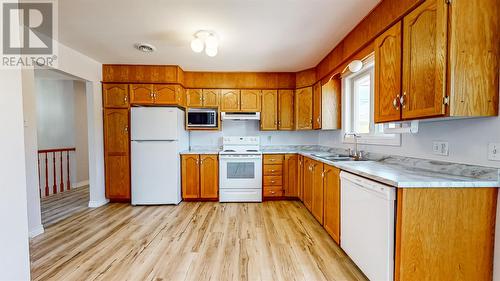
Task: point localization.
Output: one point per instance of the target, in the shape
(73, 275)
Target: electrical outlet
(494, 151)
(440, 148)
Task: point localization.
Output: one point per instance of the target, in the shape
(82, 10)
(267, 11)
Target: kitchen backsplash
(251, 128)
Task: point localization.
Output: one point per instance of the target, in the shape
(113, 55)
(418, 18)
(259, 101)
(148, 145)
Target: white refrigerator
(157, 136)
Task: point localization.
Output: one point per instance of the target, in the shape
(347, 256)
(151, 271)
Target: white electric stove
(240, 172)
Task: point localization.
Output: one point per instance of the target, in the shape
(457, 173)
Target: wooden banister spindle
(54, 186)
(46, 174)
(68, 185)
(61, 186)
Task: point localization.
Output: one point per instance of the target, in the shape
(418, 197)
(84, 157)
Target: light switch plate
(494, 151)
(440, 148)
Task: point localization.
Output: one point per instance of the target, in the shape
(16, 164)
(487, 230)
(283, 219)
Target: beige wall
(81, 132)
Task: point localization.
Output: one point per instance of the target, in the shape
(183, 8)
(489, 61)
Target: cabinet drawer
(273, 191)
(273, 159)
(273, 180)
(273, 170)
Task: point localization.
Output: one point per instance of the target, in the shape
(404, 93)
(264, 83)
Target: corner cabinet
(117, 156)
(200, 177)
(304, 109)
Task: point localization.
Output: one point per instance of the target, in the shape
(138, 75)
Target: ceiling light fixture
(144, 47)
(205, 40)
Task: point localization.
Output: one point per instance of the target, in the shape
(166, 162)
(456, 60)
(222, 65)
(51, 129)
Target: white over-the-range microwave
(202, 118)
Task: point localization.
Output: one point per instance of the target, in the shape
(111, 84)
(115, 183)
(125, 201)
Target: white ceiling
(255, 35)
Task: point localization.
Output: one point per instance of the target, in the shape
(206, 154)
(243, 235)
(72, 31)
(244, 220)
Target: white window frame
(348, 79)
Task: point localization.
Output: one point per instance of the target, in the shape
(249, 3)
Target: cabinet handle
(395, 102)
(319, 120)
(272, 181)
(125, 99)
(125, 129)
(272, 160)
(272, 171)
(402, 100)
(272, 192)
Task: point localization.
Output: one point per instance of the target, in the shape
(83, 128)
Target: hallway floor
(277, 240)
(62, 205)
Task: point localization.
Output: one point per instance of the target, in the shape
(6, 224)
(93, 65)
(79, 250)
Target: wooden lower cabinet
(272, 180)
(118, 178)
(308, 182)
(290, 176)
(317, 191)
(300, 177)
(331, 214)
(200, 177)
(445, 233)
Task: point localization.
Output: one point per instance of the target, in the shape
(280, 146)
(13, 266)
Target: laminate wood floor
(63, 205)
(278, 240)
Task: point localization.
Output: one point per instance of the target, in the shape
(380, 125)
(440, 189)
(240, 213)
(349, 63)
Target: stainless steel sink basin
(334, 157)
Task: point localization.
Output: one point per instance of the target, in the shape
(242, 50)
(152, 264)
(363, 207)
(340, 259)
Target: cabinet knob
(125, 99)
(395, 102)
(125, 129)
(402, 100)
(272, 181)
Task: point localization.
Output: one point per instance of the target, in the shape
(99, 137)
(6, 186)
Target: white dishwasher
(367, 225)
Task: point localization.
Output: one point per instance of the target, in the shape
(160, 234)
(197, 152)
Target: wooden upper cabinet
(285, 109)
(317, 191)
(303, 109)
(194, 97)
(250, 100)
(182, 98)
(269, 113)
(115, 95)
(388, 75)
(190, 169)
(317, 106)
(331, 185)
(211, 97)
(331, 109)
(290, 172)
(116, 154)
(209, 176)
(424, 60)
(474, 57)
(230, 100)
(141, 93)
(166, 94)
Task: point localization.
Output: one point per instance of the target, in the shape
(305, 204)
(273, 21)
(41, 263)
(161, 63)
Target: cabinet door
(211, 97)
(115, 95)
(303, 109)
(269, 114)
(285, 109)
(141, 94)
(331, 184)
(250, 100)
(317, 191)
(194, 97)
(317, 106)
(209, 176)
(116, 154)
(424, 60)
(331, 109)
(300, 177)
(166, 94)
(388, 75)
(190, 176)
(290, 175)
(182, 99)
(308, 182)
(230, 100)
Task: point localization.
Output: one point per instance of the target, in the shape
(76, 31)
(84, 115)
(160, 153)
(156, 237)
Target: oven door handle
(258, 157)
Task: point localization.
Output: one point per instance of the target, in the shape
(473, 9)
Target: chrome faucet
(357, 154)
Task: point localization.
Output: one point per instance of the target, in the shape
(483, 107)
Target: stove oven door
(240, 171)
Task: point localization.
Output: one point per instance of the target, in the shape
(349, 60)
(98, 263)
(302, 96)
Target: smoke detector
(144, 47)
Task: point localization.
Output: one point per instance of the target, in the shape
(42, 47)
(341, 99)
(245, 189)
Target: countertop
(396, 171)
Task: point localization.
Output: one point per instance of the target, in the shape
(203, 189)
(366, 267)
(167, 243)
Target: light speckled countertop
(401, 172)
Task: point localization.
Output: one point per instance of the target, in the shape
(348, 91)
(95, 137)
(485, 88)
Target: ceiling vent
(144, 47)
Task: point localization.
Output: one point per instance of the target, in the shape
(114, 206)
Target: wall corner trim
(97, 204)
(36, 231)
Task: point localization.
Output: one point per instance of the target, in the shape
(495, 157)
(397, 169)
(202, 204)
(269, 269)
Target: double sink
(335, 157)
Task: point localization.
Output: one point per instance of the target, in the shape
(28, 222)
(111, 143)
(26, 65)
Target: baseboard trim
(97, 204)
(80, 184)
(36, 231)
